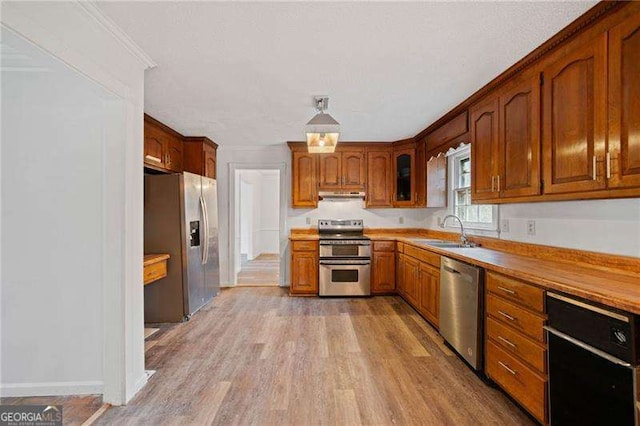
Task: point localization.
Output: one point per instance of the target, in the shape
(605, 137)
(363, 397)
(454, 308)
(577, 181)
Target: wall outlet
(504, 225)
(439, 220)
(401, 220)
(308, 221)
(531, 227)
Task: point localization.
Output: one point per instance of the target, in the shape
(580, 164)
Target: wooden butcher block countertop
(150, 259)
(618, 288)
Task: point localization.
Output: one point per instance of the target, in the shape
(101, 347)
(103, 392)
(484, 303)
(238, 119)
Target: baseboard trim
(50, 389)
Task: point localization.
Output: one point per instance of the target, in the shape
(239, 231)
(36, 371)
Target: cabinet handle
(416, 196)
(595, 170)
(513, 345)
(498, 183)
(507, 316)
(507, 290)
(493, 178)
(514, 372)
(608, 161)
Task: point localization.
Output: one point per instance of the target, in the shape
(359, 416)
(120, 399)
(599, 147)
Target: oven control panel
(339, 224)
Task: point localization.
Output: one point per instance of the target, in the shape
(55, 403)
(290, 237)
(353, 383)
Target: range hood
(340, 195)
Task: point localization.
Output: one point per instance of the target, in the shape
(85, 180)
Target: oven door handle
(345, 262)
(586, 347)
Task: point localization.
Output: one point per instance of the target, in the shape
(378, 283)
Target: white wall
(259, 211)
(52, 124)
(71, 277)
(606, 226)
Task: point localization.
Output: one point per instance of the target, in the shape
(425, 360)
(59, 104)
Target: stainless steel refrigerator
(181, 219)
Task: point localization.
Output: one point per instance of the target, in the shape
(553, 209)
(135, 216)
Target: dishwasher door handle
(453, 271)
(586, 347)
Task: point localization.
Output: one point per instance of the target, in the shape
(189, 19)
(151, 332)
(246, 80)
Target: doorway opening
(257, 239)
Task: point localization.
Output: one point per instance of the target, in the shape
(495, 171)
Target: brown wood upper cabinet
(455, 130)
(343, 170)
(484, 149)
(304, 179)
(574, 131)
(379, 178)
(163, 149)
(404, 172)
(623, 165)
(505, 135)
(200, 156)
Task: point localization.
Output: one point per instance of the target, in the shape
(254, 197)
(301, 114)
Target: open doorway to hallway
(258, 227)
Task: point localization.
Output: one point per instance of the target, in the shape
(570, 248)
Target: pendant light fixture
(322, 130)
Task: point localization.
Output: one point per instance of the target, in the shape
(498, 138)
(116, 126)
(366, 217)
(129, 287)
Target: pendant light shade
(322, 130)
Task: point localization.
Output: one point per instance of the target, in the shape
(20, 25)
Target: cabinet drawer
(304, 245)
(516, 344)
(155, 271)
(516, 317)
(517, 380)
(423, 255)
(384, 246)
(518, 291)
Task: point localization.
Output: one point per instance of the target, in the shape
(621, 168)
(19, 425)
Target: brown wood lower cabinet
(429, 292)
(418, 281)
(383, 267)
(304, 268)
(515, 351)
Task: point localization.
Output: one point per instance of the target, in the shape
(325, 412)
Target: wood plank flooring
(264, 270)
(257, 356)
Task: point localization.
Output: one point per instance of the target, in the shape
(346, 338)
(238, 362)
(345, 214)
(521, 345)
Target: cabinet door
(174, 154)
(411, 271)
(384, 272)
(353, 170)
(400, 283)
(429, 293)
(209, 159)
(484, 150)
(421, 175)
(304, 272)
(574, 96)
(379, 179)
(304, 185)
(404, 166)
(624, 103)
(437, 181)
(330, 171)
(519, 163)
(154, 146)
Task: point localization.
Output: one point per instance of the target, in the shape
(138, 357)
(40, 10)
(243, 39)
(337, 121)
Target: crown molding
(118, 33)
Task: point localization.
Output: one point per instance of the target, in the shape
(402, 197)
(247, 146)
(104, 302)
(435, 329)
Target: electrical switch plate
(308, 221)
(401, 220)
(504, 225)
(531, 227)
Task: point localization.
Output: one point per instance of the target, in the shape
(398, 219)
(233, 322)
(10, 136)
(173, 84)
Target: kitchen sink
(442, 243)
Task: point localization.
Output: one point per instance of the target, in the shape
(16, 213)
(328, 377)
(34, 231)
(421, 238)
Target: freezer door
(194, 243)
(212, 261)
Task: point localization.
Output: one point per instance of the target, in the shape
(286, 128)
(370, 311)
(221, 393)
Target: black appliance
(593, 360)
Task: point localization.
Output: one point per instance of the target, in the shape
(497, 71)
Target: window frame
(453, 169)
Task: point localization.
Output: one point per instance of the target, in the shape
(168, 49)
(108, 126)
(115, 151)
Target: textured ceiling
(245, 73)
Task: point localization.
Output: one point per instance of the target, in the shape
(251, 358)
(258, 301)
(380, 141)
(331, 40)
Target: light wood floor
(262, 271)
(257, 356)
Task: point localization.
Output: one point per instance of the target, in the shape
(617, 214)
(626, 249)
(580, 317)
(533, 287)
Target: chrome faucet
(463, 237)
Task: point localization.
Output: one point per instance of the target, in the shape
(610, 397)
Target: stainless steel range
(345, 258)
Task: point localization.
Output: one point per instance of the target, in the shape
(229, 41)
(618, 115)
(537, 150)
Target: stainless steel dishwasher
(461, 309)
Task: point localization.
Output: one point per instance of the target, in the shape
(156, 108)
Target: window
(474, 216)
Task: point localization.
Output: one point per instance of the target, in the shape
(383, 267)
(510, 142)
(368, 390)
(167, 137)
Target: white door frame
(233, 167)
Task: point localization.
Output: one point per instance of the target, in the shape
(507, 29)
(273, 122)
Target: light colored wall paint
(606, 226)
(78, 35)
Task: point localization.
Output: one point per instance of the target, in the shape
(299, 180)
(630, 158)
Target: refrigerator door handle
(205, 220)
